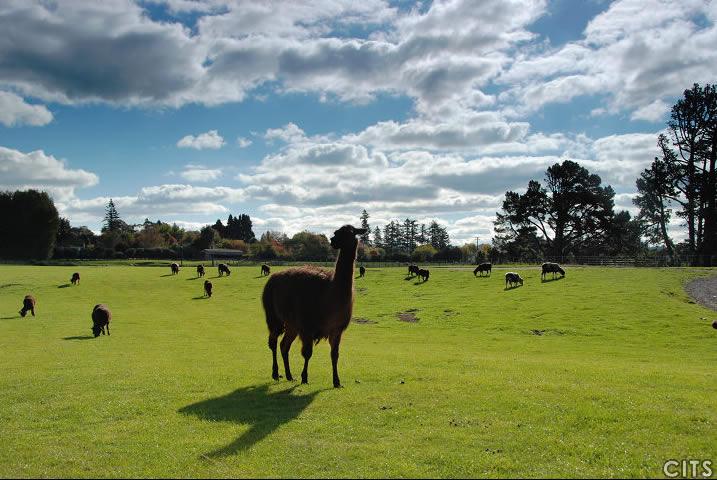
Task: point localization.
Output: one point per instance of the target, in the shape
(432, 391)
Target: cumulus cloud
(209, 140)
(14, 111)
(243, 142)
(19, 170)
(636, 60)
(167, 199)
(200, 173)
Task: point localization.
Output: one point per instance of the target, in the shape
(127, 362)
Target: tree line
(573, 213)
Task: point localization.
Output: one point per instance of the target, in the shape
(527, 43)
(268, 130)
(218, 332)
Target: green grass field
(608, 373)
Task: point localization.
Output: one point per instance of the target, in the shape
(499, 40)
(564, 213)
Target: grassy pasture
(608, 372)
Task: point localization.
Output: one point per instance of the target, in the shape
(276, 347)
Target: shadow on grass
(512, 287)
(169, 275)
(80, 337)
(6, 285)
(10, 318)
(64, 285)
(193, 278)
(262, 410)
(546, 280)
(200, 298)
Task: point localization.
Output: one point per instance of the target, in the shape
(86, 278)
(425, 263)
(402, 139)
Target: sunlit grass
(607, 372)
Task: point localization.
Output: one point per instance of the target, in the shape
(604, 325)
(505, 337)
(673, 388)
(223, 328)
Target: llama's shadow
(410, 277)
(547, 280)
(10, 318)
(79, 337)
(256, 406)
(169, 275)
(512, 287)
(193, 278)
(203, 297)
(64, 285)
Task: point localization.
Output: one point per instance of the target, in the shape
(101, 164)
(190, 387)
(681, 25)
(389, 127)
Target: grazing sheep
(224, 268)
(207, 288)
(423, 274)
(312, 303)
(362, 271)
(175, 268)
(75, 278)
(553, 268)
(413, 270)
(101, 317)
(483, 267)
(28, 303)
(265, 270)
(512, 278)
(200, 270)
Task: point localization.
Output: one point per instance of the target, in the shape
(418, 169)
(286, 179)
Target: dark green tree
(29, 225)
(365, 238)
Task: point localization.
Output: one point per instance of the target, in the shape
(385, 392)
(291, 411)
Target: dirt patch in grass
(704, 291)
(408, 316)
(364, 321)
(547, 331)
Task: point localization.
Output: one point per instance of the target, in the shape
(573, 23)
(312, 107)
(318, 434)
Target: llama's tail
(273, 322)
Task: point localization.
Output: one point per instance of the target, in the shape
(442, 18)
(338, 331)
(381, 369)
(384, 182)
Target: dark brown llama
(313, 304)
(207, 288)
(362, 271)
(200, 271)
(75, 278)
(175, 268)
(265, 270)
(223, 268)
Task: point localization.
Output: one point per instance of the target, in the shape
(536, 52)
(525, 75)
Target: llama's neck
(344, 271)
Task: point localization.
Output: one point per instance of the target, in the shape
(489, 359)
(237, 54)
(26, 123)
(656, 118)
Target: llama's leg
(32, 310)
(334, 342)
(307, 349)
(108, 328)
(274, 366)
(286, 342)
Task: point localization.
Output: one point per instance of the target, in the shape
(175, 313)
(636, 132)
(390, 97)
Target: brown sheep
(101, 317)
(313, 304)
(28, 304)
(207, 288)
(200, 271)
(265, 270)
(75, 278)
(175, 268)
(224, 268)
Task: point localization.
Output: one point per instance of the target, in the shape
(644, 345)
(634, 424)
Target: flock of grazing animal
(308, 302)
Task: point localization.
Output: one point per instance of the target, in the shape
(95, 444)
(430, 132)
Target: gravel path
(704, 291)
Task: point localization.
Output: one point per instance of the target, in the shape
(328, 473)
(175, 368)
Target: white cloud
(243, 142)
(38, 170)
(638, 53)
(15, 112)
(200, 173)
(209, 140)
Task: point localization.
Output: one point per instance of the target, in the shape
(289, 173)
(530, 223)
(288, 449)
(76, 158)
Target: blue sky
(302, 114)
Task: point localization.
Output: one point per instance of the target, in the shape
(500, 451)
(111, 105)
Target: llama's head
(345, 237)
(96, 330)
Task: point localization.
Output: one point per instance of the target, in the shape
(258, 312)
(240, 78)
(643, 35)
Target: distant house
(222, 254)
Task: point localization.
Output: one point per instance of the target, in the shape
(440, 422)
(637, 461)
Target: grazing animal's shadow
(261, 276)
(193, 278)
(10, 318)
(64, 285)
(216, 276)
(80, 337)
(169, 275)
(203, 297)
(410, 277)
(262, 410)
(513, 287)
(546, 280)
(5, 285)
